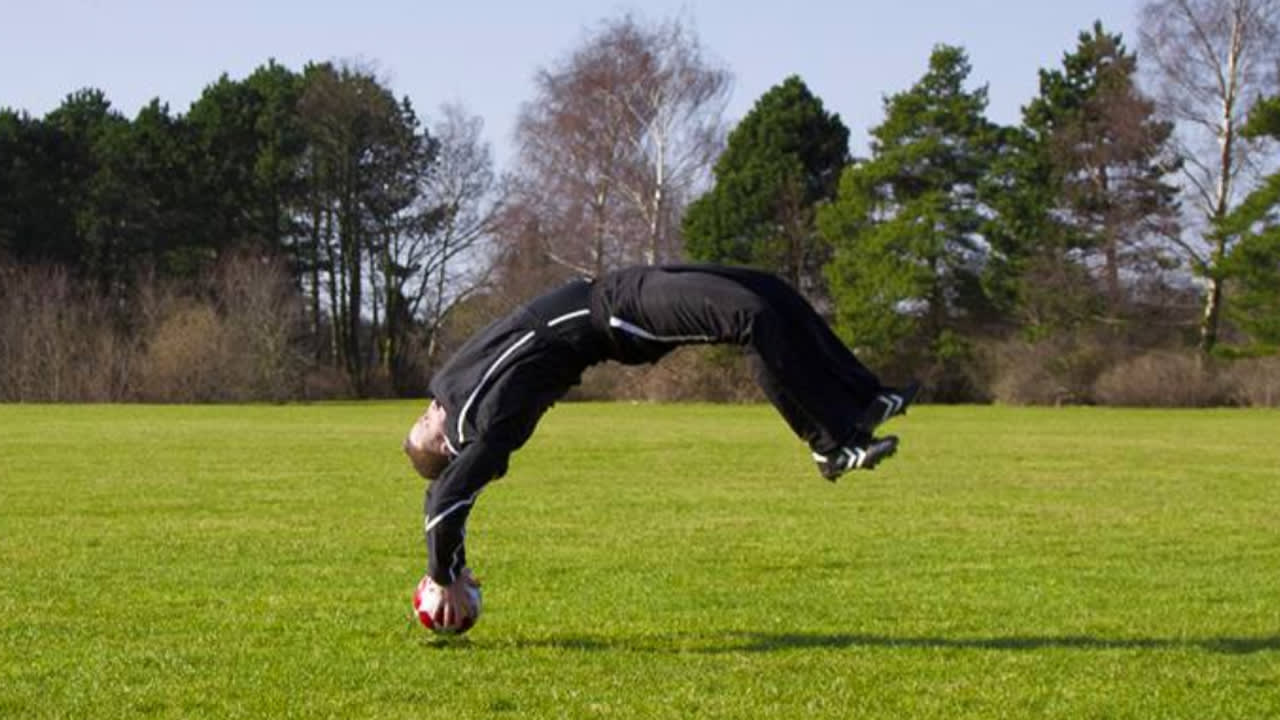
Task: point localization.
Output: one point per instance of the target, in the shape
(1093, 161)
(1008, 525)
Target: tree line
(1118, 244)
(322, 173)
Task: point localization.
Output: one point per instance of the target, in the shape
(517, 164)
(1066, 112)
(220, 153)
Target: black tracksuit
(498, 385)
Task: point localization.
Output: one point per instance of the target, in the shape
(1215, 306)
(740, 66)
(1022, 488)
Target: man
(491, 394)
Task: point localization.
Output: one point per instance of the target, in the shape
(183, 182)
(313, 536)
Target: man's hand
(455, 608)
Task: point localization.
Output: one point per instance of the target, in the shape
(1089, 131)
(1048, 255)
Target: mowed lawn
(643, 561)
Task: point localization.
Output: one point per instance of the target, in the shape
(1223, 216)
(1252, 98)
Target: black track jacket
(502, 380)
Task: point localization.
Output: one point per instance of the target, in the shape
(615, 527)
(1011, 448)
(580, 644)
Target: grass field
(643, 562)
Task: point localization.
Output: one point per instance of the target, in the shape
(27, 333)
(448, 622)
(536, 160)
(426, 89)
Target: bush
(263, 318)
(325, 382)
(239, 348)
(688, 374)
(190, 358)
(1163, 379)
(58, 343)
(1254, 382)
(1060, 370)
(230, 338)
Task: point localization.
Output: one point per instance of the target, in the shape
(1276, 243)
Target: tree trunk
(335, 270)
(354, 291)
(655, 227)
(1209, 319)
(314, 272)
(437, 307)
(1226, 148)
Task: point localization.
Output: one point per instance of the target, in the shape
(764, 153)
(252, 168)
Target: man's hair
(428, 464)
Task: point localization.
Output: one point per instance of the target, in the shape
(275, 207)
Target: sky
(484, 54)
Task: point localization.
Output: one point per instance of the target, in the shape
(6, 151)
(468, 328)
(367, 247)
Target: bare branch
(618, 135)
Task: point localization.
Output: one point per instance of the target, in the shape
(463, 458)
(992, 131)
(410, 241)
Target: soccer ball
(427, 596)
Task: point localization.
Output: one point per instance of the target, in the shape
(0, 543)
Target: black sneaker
(889, 403)
(858, 457)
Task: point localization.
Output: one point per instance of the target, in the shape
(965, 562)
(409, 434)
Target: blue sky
(483, 54)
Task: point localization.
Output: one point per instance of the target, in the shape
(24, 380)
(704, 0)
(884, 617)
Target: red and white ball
(426, 598)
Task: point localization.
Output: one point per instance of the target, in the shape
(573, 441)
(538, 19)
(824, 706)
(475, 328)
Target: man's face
(426, 445)
(428, 432)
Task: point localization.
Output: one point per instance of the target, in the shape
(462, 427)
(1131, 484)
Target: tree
(95, 147)
(365, 159)
(614, 142)
(248, 141)
(1030, 276)
(781, 161)
(224, 148)
(1210, 60)
(325, 173)
(1253, 265)
(392, 197)
(37, 218)
(280, 140)
(465, 191)
(905, 222)
(1087, 191)
(677, 104)
(162, 222)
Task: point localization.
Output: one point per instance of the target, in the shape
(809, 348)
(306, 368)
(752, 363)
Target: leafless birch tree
(614, 142)
(1210, 60)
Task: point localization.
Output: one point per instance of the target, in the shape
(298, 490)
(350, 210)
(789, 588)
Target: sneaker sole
(862, 459)
(884, 448)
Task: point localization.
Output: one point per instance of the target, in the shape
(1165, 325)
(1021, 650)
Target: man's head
(426, 445)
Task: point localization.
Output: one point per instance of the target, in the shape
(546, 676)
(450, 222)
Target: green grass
(643, 561)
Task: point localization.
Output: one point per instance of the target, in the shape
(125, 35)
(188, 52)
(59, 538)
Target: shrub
(695, 373)
(1059, 370)
(59, 343)
(1163, 379)
(190, 358)
(1254, 382)
(236, 340)
(263, 319)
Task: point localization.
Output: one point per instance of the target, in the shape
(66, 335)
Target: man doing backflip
(489, 396)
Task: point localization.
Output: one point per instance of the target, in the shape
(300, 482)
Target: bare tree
(676, 106)
(569, 152)
(57, 340)
(464, 188)
(1210, 61)
(262, 315)
(614, 142)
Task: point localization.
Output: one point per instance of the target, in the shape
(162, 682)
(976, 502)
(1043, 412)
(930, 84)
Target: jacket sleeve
(448, 504)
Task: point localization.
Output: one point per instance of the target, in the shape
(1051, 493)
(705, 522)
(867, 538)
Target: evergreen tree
(247, 144)
(280, 140)
(37, 217)
(781, 161)
(1252, 268)
(164, 219)
(91, 144)
(905, 224)
(1081, 198)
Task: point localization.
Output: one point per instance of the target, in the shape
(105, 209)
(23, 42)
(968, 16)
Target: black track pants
(816, 383)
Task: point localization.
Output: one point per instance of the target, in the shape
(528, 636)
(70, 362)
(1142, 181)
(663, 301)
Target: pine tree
(1252, 268)
(781, 161)
(1081, 197)
(905, 224)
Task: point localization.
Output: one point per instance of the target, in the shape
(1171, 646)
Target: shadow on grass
(769, 642)
(764, 642)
